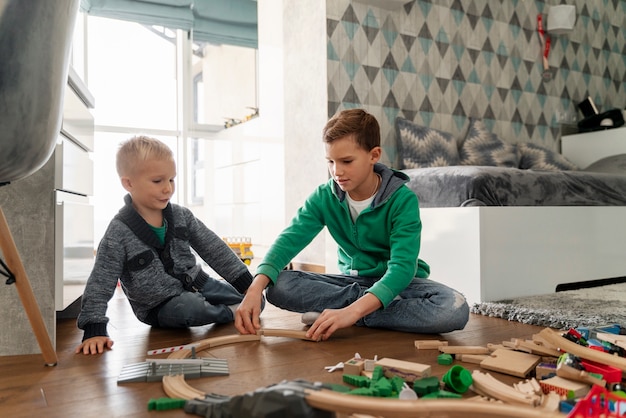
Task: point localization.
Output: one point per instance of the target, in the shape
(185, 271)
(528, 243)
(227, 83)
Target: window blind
(232, 22)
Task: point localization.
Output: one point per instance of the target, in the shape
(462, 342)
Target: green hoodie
(383, 242)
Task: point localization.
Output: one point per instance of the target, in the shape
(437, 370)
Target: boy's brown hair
(356, 122)
(140, 148)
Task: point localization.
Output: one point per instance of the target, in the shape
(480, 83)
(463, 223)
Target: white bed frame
(495, 253)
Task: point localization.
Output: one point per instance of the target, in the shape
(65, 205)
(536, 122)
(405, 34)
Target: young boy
(374, 218)
(147, 246)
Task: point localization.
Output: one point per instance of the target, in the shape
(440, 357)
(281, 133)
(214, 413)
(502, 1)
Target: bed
(502, 186)
(499, 233)
(510, 227)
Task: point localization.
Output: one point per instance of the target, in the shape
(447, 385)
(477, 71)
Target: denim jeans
(424, 307)
(208, 306)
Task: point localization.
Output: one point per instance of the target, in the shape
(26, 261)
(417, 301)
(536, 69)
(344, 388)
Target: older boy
(374, 218)
(147, 246)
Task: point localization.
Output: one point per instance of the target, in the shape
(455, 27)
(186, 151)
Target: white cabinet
(73, 247)
(73, 167)
(587, 148)
(73, 191)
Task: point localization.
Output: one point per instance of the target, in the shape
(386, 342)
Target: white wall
(306, 104)
(261, 171)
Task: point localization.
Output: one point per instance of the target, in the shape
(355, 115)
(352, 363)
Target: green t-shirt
(160, 231)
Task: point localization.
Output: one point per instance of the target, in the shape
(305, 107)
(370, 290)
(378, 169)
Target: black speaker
(613, 118)
(588, 107)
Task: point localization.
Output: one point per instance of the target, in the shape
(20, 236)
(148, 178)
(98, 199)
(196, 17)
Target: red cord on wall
(545, 42)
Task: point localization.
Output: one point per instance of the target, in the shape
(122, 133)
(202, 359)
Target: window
(224, 84)
(197, 173)
(132, 75)
(138, 74)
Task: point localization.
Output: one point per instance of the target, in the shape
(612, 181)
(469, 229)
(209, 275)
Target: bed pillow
(536, 157)
(420, 146)
(481, 147)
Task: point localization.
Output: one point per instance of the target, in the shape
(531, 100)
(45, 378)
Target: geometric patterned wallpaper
(439, 63)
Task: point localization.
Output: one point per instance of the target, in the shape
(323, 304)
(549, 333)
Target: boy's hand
(94, 345)
(248, 314)
(333, 319)
(330, 321)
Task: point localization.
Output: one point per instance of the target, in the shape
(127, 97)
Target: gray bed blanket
(454, 186)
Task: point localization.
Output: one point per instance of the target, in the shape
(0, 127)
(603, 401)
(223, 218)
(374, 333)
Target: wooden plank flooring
(86, 386)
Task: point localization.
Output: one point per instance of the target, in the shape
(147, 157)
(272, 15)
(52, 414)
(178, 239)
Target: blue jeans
(208, 306)
(424, 307)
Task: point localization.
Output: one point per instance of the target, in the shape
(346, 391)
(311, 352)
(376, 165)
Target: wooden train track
(177, 387)
(440, 408)
(555, 338)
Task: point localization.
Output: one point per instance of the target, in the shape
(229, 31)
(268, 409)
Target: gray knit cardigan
(151, 273)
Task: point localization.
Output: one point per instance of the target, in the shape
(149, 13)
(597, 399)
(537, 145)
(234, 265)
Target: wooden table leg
(25, 292)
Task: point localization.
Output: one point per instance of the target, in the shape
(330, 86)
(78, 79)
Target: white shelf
(587, 148)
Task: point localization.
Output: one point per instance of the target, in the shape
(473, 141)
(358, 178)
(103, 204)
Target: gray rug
(569, 309)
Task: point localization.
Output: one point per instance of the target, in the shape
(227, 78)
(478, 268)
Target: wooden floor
(86, 386)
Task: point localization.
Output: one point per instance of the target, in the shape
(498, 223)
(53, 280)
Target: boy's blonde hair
(140, 148)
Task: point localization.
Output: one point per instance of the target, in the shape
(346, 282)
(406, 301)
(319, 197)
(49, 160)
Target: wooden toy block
(429, 344)
(464, 349)
(613, 338)
(618, 340)
(353, 366)
(550, 402)
(367, 374)
(528, 386)
(407, 370)
(510, 362)
(516, 346)
(531, 347)
(544, 370)
(493, 347)
(369, 365)
(471, 358)
(564, 387)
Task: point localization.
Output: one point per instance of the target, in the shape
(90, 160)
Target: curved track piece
(214, 342)
(327, 400)
(177, 387)
(350, 404)
(492, 387)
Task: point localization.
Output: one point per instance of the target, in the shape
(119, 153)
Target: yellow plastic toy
(241, 247)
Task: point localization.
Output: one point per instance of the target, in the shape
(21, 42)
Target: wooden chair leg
(25, 292)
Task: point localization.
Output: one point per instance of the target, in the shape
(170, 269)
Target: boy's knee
(459, 301)
(272, 294)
